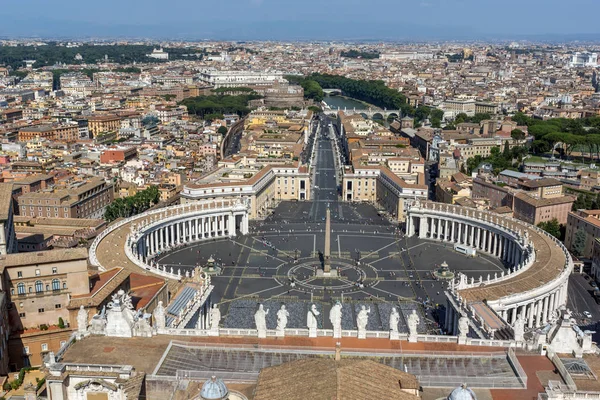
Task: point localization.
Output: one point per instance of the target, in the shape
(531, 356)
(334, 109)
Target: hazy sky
(306, 19)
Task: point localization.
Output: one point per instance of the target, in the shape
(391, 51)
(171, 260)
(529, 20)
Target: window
(22, 315)
(26, 350)
(54, 270)
(39, 286)
(58, 306)
(40, 310)
(30, 289)
(44, 346)
(37, 272)
(19, 274)
(64, 285)
(55, 284)
(21, 288)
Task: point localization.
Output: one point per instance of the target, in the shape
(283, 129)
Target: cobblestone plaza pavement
(376, 264)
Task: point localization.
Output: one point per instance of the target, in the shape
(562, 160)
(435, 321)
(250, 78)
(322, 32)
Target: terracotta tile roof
(43, 257)
(347, 379)
(103, 287)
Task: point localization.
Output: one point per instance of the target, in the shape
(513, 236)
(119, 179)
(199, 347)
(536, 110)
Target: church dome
(462, 393)
(214, 389)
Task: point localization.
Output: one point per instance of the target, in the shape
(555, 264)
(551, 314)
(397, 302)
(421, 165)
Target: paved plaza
(278, 263)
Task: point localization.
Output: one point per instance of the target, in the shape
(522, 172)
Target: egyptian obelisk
(327, 250)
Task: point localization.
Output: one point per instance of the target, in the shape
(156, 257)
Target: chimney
(338, 351)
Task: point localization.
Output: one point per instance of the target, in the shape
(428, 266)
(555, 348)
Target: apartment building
(586, 221)
(115, 155)
(40, 284)
(535, 210)
(98, 124)
(86, 199)
(61, 132)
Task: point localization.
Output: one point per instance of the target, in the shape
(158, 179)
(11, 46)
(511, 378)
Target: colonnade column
(531, 307)
(546, 307)
(538, 312)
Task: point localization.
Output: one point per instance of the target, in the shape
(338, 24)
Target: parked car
(587, 314)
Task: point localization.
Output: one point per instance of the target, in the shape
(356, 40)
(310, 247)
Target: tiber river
(338, 101)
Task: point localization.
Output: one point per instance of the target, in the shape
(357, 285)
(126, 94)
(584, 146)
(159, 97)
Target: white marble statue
(159, 316)
(141, 327)
(311, 321)
(362, 319)
(394, 320)
(215, 317)
(519, 328)
(463, 327)
(282, 318)
(260, 319)
(120, 316)
(335, 316)
(413, 322)
(82, 320)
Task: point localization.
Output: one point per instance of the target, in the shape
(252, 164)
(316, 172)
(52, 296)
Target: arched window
(21, 288)
(39, 286)
(64, 285)
(55, 284)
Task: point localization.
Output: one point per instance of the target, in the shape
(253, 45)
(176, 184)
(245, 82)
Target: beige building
(586, 221)
(40, 285)
(261, 186)
(103, 123)
(380, 186)
(459, 186)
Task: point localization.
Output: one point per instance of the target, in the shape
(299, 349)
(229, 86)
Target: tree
(460, 118)
(517, 134)
(506, 151)
(222, 130)
(521, 119)
(579, 243)
(552, 227)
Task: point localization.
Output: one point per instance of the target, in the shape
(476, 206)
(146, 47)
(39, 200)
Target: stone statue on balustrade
(159, 317)
(215, 318)
(335, 317)
(311, 321)
(82, 321)
(120, 316)
(413, 322)
(362, 319)
(98, 323)
(463, 329)
(282, 320)
(141, 326)
(394, 320)
(260, 319)
(519, 328)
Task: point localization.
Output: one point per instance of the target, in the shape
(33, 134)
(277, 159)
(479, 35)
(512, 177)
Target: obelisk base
(332, 273)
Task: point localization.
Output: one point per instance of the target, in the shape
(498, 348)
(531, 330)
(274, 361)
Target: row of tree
(566, 135)
(52, 53)
(132, 205)
(509, 158)
(373, 92)
(367, 55)
(207, 107)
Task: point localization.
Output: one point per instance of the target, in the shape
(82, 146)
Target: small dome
(462, 393)
(214, 389)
